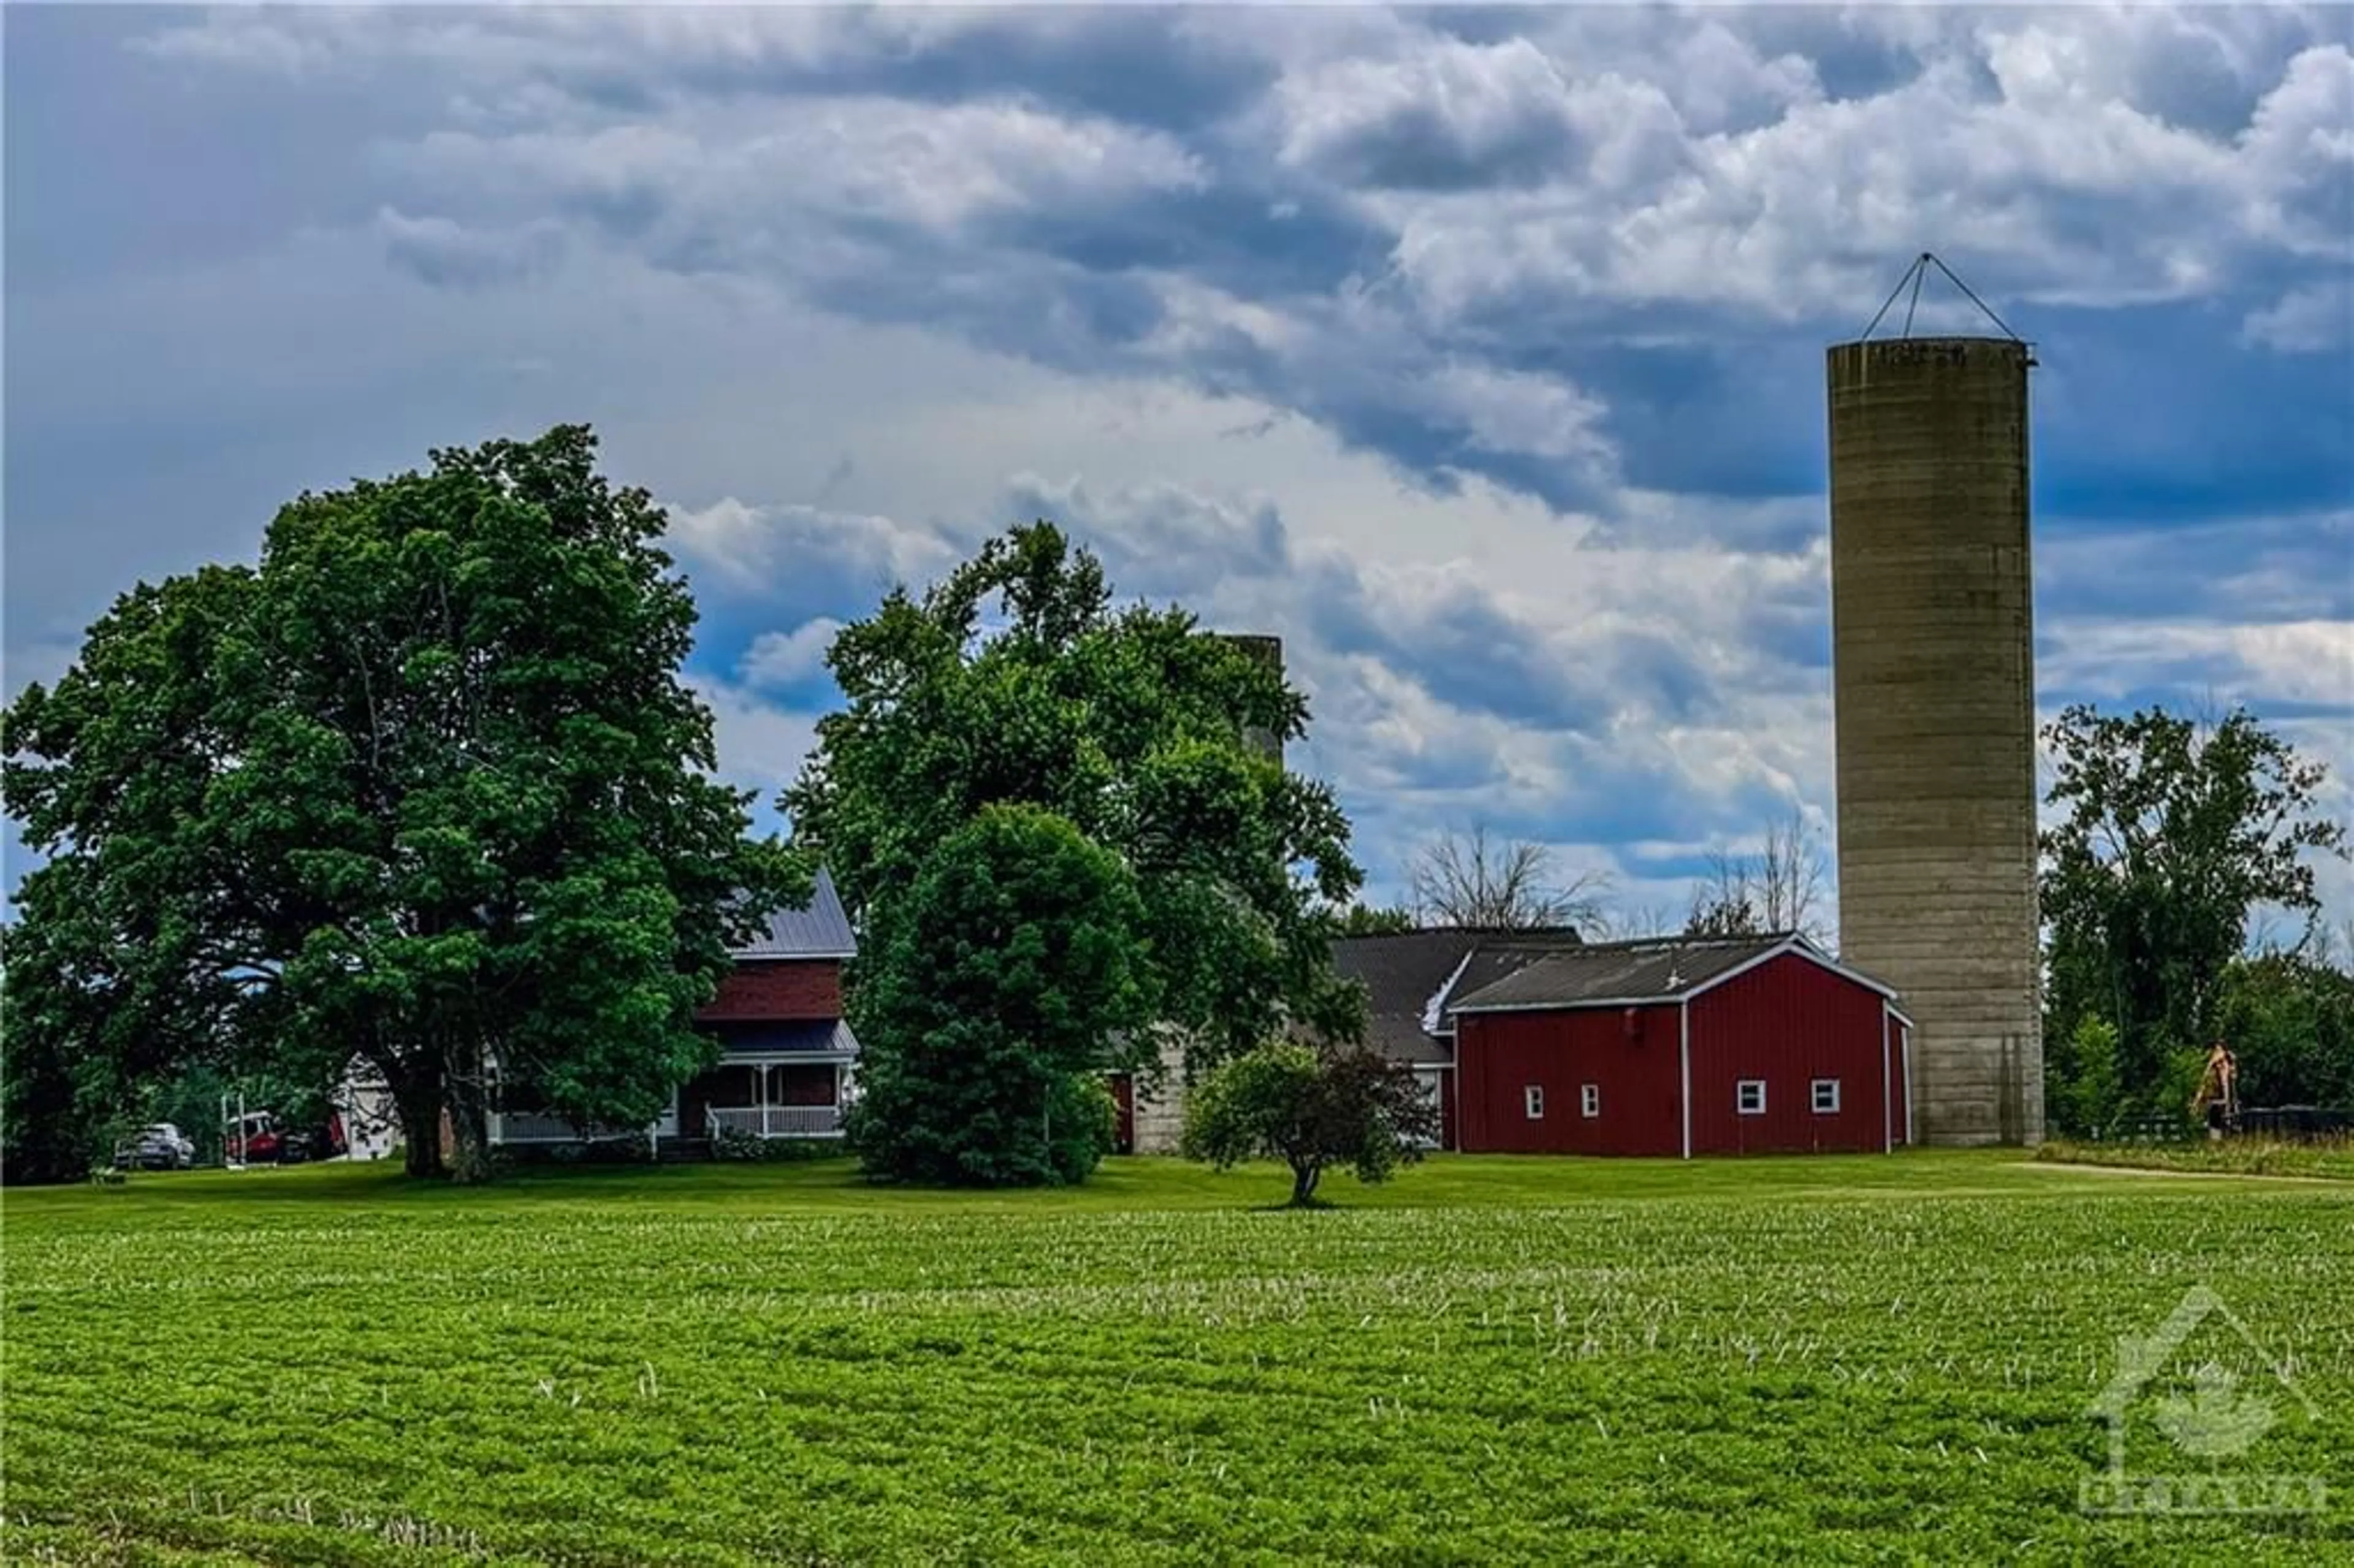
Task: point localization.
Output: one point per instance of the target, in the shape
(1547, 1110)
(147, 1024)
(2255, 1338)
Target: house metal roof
(1652, 969)
(820, 929)
(811, 1037)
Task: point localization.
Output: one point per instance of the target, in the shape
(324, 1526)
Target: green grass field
(2327, 1156)
(1491, 1360)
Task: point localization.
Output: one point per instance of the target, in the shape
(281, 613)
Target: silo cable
(1914, 276)
(1910, 272)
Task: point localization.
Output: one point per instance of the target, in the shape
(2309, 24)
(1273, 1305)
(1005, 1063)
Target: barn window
(1589, 1099)
(1532, 1100)
(1826, 1096)
(1749, 1097)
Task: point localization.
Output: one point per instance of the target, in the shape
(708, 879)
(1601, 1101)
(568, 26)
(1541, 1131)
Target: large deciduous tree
(424, 786)
(1015, 680)
(2169, 833)
(1016, 953)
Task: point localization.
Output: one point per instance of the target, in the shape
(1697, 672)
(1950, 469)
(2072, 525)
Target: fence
(2292, 1123)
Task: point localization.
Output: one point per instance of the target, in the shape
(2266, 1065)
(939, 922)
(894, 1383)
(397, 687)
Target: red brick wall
(777, 990)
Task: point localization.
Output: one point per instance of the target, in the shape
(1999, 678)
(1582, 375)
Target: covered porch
(771, 1095)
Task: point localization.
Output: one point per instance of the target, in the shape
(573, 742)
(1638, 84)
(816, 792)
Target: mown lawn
(1495, 1360)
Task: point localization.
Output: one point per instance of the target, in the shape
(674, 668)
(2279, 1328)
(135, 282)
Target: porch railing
(779, 1121)
(524, 1127)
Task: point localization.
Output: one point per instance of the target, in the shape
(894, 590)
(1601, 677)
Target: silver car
(158, 1146)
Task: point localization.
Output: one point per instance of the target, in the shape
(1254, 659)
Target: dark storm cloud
(1588, 256)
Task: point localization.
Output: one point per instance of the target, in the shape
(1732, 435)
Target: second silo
(1933, 671)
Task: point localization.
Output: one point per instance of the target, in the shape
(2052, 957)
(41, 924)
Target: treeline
(425, 791)
(2168, 836)
(426, 788)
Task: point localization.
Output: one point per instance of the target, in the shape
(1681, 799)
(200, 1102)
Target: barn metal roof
(1654, 969)
(1409, 975)
(820, 929)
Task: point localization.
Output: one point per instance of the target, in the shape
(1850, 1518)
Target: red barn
(1681, 1047)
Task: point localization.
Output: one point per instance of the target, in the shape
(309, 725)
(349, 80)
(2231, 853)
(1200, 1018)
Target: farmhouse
(1682, 1046)
(788, 1057)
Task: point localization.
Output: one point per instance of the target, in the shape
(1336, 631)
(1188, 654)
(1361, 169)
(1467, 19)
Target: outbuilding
(1681, 1047)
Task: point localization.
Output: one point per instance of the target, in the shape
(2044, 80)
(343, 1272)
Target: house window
(1749, 1097)
(1589, 1099)
(1532, 1099)
(1826, 1096)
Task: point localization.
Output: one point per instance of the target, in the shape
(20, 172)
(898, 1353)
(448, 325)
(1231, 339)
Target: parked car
(158, 1146)
(260, 1138)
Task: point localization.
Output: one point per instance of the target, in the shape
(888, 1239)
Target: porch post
(763, 1070)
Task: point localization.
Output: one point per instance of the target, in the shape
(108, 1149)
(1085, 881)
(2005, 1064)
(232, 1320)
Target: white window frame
(1741, 1095)
(1816, 1096)
(1532, 1101)
(1589, 1100)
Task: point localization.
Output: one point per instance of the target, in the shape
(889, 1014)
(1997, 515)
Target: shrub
(1310, 1110)
(1017, 954)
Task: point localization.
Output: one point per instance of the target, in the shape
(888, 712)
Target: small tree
(1369, 920)
(2086, 1091)
(1310, 1110)
(1016, 956)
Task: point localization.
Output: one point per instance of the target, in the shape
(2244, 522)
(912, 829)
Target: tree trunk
(417, 1096)
(469, 1121)
(1303, 1182)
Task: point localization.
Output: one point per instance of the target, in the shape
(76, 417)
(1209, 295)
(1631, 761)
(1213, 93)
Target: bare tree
(1723, 904)
(1640, 922)
(1780, 888)
(1482, 885)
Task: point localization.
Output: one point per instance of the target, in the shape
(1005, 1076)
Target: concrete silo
(1932, 671)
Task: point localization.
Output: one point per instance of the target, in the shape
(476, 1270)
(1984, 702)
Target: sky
(1478, 353)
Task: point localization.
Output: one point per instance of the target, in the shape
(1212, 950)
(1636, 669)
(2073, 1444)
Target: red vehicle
(258, 1138)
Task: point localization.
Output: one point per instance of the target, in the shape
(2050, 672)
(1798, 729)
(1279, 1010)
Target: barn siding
(1499, 1054)
(1788, 1021)
(777, 991)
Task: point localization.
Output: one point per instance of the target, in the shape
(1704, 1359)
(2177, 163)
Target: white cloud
(2314, 318)
(761, 747)
(788, 658)
(751, 549)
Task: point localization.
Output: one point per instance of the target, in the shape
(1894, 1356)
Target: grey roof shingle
(1653, 970)
(1405, 974)
(820, 929)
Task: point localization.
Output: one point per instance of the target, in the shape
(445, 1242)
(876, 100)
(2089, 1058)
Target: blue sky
(1477, 352)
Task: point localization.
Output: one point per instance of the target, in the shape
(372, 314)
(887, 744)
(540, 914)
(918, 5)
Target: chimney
(1268, 650)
